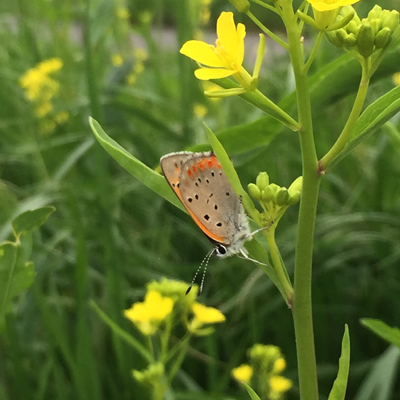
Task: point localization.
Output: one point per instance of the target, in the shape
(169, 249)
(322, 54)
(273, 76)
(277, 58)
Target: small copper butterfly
(204, 189)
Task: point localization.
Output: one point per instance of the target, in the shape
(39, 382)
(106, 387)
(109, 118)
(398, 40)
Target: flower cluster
(274, 199)
(40, 88)
(264, 372)
(367, 35)
(166, 302)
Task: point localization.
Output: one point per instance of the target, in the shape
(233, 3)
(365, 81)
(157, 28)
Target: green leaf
(140, 171)
(380, 381)
(31, 219)
(338, 391)
(373, 117)
(14, 278)
(251, 392)
(392, 335)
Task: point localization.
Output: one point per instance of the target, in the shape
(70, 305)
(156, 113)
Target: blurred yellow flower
(61, 117)
(199, 110)
(280, 384)
(204, 315)
(396, 78)
(279, 365)
(148, 315)
(123, 13)
(207, 315)
(327, 5)
(117, 60)
(51, 65)
(243, 373)
(226, 58)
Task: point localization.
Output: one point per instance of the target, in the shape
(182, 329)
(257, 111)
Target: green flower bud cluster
(273, 198)
(152, 375)
(367, 35)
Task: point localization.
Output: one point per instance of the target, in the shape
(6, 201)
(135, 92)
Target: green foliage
(16, 272)
(392, 335)
(338, 391)
(111, 235)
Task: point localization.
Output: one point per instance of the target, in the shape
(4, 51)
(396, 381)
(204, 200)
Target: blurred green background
(110, 235)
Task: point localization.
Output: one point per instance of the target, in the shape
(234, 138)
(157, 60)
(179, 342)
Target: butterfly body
(204, 189)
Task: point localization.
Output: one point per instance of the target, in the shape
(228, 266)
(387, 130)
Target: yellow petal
(327, 5)
(243, 373)
(201, 52)
(226, 31)
(207, 315)
(205, 74)
(241, 33)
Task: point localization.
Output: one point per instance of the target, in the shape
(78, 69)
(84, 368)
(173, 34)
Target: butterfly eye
(220, 251)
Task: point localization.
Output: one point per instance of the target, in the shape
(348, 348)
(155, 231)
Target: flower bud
(350, 40)
(365, 40)
(262, 180)
(340, 35)
(241, 5)
(331, 36)
(382, 39)
(375, 25)
(296, 186)
(391, 20)
(282, 197)
(268, 193)
(352, 27)
(294, 198)
(254, 191)
(375, 13)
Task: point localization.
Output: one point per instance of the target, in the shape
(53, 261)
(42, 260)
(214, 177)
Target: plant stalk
(302, 303)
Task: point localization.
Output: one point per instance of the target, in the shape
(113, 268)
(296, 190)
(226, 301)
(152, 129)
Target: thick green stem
(302, 304)
(353, 117)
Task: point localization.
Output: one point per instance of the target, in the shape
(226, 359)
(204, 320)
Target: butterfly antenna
(204, 263)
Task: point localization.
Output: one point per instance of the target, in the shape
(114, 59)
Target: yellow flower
(279, 365)
(327, 5)
(243, 373)
(148, 315)
(199, 110)
(396, 78)
(280, 384)
(204, 315)
(226, 57)
(51, 65)
(207, 315)
(123, 13)
(326, 11)
(44, 108)
(61, 117)
(117, 60)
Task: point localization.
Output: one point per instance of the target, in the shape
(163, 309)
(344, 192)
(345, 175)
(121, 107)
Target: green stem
(314, 51)
(266, 30)
(353, 117)
(180, 357)
(267, 6)
(302, 304)
(277, 262)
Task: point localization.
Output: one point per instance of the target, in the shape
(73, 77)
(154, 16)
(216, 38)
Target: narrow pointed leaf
(373, 117)
(140, 171)
(120, 332)
(253, 395)
(338, 391)
(392, 335)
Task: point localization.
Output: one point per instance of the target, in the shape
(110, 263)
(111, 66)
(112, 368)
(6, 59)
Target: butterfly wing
(203, 188)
